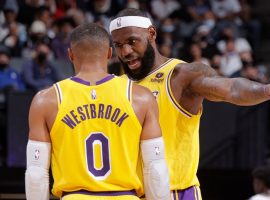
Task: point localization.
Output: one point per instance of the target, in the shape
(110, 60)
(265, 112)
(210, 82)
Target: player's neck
(92, 73)
(159, 60)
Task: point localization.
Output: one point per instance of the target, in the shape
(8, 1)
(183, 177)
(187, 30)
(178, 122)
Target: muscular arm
(155, 170)
(205, 82)
(146, 109)
(39, 146)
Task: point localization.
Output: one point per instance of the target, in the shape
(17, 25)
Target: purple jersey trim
(79, 80)
(59, 93)
(161, 66)
(129, 90)
(108, 193)
(107, 78)
(171, 96)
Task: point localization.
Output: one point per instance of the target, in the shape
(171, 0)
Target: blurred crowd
(220, 33)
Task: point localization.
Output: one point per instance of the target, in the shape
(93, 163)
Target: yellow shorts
(92, 197)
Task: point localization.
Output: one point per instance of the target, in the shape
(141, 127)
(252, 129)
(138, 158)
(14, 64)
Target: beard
(147, 63)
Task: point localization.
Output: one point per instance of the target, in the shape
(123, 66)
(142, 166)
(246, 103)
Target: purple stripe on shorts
(174, 195)
(187, 194)
(79, 80)
(108, 193)
(107, 78)
(197, 195)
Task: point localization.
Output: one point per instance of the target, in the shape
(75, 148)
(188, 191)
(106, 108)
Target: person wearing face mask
(39, 73)
(9, 78)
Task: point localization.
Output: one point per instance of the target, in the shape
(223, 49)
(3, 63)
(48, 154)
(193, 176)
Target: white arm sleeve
(37, 173)
(155, 170)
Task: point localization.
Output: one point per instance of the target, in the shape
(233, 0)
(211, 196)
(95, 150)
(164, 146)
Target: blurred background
(232, 36)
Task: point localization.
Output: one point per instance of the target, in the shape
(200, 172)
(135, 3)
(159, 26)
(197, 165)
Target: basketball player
(92, 127)
(179, 89)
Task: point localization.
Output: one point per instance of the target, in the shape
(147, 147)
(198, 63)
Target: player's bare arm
(42, 114)
(146, 109)
(39, 145)
(152, 145)
(203, 81)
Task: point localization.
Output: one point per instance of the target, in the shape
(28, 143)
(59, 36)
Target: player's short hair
(131, 12)
(91, 32)
(262, 173)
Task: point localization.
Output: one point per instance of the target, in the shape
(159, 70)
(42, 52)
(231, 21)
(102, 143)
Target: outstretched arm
(240, 91)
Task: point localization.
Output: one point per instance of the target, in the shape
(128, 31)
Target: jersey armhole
(171, 97)
(58, 93)
(129, 90)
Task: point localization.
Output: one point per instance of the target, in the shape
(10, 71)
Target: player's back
(95, 137)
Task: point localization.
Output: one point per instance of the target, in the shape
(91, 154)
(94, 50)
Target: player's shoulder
(192, 68)
(142, 94)
(45, 97)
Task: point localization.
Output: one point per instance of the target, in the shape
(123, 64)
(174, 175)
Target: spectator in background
(231, 60)
(39, 73)
(228, 10)
(60, 43)
(249, 70)
(197, 9)
(163, 8)
(227, 13)
(166, 49)
(251, 26)
(261, 183)
(215, 62)
(203, 37)
(37, 34)
(9, 78)
(27, 12)
(241, 44)
(196, 54)
(12, 33)
(43, 14)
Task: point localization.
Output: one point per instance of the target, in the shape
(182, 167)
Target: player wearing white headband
(136, 21)
(180, 89)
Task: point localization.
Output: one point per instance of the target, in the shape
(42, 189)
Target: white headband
(137, 21)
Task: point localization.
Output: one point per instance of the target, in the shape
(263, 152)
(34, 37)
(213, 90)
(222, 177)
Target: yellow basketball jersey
(95, 137)
(180, 128)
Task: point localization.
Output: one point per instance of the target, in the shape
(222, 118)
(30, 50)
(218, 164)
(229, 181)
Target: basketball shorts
(191, 193)
(85, 195)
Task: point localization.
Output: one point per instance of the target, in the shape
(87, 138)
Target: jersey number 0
(99, 139)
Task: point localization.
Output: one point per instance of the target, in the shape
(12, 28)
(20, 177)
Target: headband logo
(118, 22)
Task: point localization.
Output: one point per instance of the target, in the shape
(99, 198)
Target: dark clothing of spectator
(10, 78)
(39, 77)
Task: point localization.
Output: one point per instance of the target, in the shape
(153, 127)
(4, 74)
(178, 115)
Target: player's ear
(70, 54)
(152, 33)
(110, 53)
